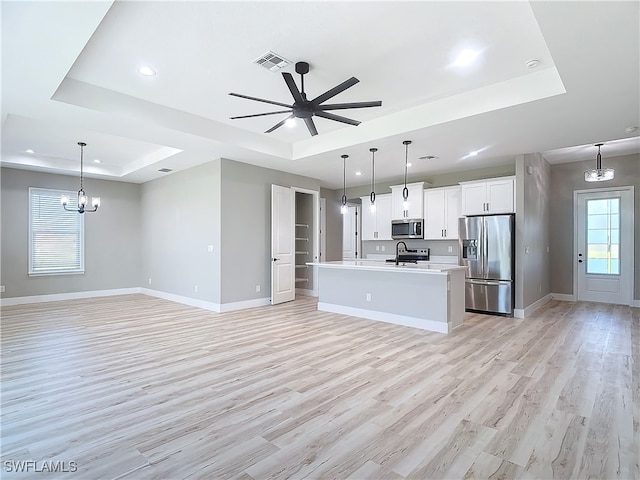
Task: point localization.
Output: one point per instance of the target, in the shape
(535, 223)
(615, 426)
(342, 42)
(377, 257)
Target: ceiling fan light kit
(306, 109)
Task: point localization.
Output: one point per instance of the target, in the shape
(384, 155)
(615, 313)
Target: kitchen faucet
(397, 245)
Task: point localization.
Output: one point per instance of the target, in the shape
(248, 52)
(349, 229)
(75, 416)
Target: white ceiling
(69, 74)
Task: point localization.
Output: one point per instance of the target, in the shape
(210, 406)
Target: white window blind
(56, 237)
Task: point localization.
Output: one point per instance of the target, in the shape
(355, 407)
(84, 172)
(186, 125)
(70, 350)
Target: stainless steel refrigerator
(487, 249)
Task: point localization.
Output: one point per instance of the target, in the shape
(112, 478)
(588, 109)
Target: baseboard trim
(523, 313)
(211, 306)
(257, 302)
(564, 297)
(421, 323)
(57, 297)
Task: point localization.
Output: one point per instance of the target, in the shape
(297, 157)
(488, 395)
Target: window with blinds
(56, 236)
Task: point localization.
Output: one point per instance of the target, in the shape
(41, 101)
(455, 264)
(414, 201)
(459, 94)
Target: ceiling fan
(306, 109)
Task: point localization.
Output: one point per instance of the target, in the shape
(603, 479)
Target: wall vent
(165, 170)
(272, 61)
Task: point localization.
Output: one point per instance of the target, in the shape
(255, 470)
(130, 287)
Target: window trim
(71, 271)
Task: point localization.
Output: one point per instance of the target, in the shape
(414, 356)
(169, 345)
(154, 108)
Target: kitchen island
(426, 296)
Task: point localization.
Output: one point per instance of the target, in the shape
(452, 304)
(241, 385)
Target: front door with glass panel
(604, 256)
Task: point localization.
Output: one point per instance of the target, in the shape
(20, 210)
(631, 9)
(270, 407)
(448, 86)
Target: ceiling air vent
(272, 61)
(165, 170)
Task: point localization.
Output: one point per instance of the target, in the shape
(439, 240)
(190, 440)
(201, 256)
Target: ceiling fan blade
(293, 88)
(260, 114)
(335, 90)
(341, 106)
(261, 100)
(279, 124)
(336, 118)
(311, 126)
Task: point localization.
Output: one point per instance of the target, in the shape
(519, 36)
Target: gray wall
(334, 224)
(112, 236)
(181, 218)
(246, 227)
(532, 229)
(567, 177)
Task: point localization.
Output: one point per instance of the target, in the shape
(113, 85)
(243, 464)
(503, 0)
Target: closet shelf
(301, 225)
(302, 253)
(302, 239)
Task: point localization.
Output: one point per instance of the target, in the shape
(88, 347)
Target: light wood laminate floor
(137, 387)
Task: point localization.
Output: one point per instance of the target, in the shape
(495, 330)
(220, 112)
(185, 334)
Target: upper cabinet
(441, 213)
(416, 201)
(495, 195)
(376, 225)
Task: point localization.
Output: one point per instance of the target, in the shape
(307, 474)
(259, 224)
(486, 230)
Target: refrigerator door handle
(488, 282)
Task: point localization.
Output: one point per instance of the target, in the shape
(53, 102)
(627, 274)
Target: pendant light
(372, 195)
(82, 197)
(343, 207)
(598, 174)
(405, 190)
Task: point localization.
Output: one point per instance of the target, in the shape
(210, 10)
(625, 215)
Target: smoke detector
(272, 61)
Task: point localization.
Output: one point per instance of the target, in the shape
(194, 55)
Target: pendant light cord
(344, 179)
(405, 190)
(372, 195)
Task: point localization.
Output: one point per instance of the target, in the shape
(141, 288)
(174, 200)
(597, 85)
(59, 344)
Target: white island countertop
(377, 265)
(423, 295)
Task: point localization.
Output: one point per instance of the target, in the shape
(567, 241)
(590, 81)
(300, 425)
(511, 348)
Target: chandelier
(81, 206)
(598, 174)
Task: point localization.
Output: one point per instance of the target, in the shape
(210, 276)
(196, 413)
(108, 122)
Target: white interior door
(282, 244)
(604, 245)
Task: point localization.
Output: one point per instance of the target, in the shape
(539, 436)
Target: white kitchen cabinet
(495, 195)
(441, 213)
(376, 225)
(416, 201)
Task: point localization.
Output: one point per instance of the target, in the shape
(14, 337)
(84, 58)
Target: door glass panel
(603, 236)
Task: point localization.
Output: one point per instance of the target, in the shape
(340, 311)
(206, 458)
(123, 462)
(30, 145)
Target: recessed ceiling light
(427, 157)
(29, 151)
(466, 57)
(146, 71)
(409, 164)
(627, 130)
(291, 122)
(533, 63)
(97, 160)
(165, 170)
(358, 173)
(473, 154)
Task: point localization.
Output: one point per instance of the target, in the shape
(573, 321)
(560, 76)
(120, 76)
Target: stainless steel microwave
(407, 228)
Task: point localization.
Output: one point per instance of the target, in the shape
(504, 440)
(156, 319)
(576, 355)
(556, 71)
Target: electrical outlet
(1, 288)
(377, 248)
(149, 281)
(526, 250)
(368, 297)
(209, 248)
(257, 288)
(450, 249)
(547, 248)
(383, 248)
(195, 288)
